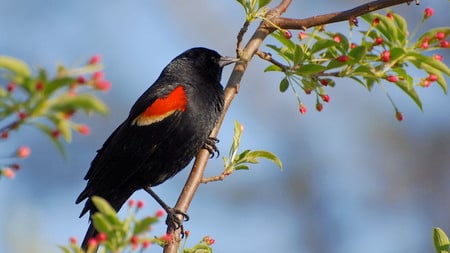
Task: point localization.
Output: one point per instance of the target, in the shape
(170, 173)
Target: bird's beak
(224, 61)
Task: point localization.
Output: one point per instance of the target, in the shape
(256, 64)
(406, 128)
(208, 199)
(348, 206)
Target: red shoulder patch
(163, 107)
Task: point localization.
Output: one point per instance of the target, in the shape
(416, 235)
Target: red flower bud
(302, 108)
(97, 76)
(140, 204)
(319, 107)
(302, 35)
(160, 213)
(399, 116)
(92, 242)
(390, 15)
(337, 38)
(39, 85)
(146, 244)
(425, 83)
(325, 98)
(84, 129)
(342, 58)
(425, 43)
(444, 43)
(81, 80)
(440, 35)
(4, 135)
(392, 79)
(438, 57)
(95, 59)
(167, 238)
(102, 85)
(56, 133)
(23, 152)
(134, 239)
(376, 21)
(432, 78)
(287, 34)
(385, 56)
(11, 87)
(379, 41)
(73, 240)
(101, 237)
(8, 173)
(428, 12)
(324, 82)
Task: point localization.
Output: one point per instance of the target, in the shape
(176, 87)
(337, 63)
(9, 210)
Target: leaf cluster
(386, 52)
(47, 103)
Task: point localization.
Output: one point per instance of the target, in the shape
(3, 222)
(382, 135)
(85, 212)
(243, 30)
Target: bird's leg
(172, 213)
(210, 145)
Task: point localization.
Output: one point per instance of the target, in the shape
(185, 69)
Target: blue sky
(354, 178)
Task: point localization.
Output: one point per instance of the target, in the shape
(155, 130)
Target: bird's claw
(174, 221)
(210, 145)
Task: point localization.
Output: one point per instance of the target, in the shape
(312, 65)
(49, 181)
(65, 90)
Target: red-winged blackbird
(165, 129)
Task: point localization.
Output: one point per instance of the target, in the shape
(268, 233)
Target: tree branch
(264, 29)
(301, 24)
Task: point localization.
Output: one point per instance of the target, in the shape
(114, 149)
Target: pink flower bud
(23, 152)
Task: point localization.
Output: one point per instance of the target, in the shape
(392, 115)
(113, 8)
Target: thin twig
(240, 37)
(268, 57)
(220, 177)
(297, 24)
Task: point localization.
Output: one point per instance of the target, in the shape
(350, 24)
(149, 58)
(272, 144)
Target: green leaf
(103, 206)
(101, 223)
(322, 44)
(441, 242)
(309, 69)
(402, 26)
(298, 54)
(266, 155)
(365, 71)
(18, 67)
(358, 53)
(397, 53)
(241, 167)
(358, 80)
(236, 140)
(86, 102)
(64, 127)
(64, 249)
(58, 83)
(242, 2)
(273, 68)
(336, 64)
(420, 61)
(144, 224)
(285, 41)
(441, 81)
(409, 89)
(387, 27)
(284, 84)
(262, 3)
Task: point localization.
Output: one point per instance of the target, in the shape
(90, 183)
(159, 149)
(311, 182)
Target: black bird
(166, 127)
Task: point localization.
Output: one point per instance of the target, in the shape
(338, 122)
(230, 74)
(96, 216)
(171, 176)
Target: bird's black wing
(112, 174)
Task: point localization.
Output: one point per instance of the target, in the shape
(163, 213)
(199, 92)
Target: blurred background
(354, 178)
